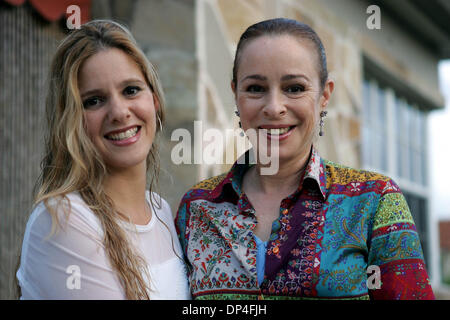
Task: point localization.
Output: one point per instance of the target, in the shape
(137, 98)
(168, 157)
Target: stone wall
(165, 30)
(342, 27)
(27, 45)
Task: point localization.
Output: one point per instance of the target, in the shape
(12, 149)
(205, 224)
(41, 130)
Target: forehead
(280, 53)
(108, 66)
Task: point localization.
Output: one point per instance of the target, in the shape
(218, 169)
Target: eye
(254, 88)
(297, 88)
(131, 90)
(92, 102)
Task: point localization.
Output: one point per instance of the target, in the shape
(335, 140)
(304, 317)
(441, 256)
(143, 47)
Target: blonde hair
(72, 163)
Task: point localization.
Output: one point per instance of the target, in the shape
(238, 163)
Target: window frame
(416, 191)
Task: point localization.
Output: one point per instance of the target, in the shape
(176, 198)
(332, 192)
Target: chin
(124, 164)
(287, 153)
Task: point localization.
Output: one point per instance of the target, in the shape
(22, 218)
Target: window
(394, 143)
(410, 142)
(374, 128)
(418, 206)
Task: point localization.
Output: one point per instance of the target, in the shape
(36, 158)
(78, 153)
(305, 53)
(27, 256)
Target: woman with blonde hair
(97, 230)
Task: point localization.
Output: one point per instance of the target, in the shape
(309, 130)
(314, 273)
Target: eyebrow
(283, 78)
(255, 77)
(294, 76)
(122, 84)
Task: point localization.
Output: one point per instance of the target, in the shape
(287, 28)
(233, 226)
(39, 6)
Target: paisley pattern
(339, 222)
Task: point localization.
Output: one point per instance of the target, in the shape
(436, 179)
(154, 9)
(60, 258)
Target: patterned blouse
(343, 234)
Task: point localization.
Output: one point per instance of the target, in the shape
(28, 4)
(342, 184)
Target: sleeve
(395, 248)
(71, 264)
(181, 221)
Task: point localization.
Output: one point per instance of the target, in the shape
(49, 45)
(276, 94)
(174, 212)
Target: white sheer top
(72, 264)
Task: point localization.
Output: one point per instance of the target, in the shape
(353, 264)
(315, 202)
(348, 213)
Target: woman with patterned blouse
(313, 230)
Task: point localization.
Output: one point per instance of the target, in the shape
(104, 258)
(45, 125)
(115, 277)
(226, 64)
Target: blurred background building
(444, 235)
(386, 88)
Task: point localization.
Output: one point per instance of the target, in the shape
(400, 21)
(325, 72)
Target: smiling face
(119, 108)
(278, 89)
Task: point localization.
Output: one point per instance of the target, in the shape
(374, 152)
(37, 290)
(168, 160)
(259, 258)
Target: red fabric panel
(15, 2)
(404, 280)
(53, 10)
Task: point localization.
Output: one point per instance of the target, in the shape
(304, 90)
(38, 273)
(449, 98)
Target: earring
(323, 114)
(240, 124)
(160, 124)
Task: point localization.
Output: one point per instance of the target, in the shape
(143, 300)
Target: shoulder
(201, 190)
(64, 212)
(40, 220)
(204, 188)
(379, 191)
(210, 183)
(338, 174)
(63, 228)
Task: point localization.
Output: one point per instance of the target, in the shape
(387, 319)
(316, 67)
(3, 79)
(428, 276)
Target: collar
(314, 172)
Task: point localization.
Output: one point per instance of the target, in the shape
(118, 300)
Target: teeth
(278, 131)
(123, 135)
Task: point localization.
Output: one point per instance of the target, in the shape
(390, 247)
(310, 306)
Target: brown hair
(278, 27)
(72, 162)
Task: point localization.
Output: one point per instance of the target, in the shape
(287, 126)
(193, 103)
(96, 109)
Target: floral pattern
(338, 222)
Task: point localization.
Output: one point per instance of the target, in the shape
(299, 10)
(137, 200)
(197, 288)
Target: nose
(274, 107)
(119, 109)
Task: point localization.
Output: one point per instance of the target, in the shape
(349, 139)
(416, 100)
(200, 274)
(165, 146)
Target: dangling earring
(160, 124)
(323, 114)
(240, 124)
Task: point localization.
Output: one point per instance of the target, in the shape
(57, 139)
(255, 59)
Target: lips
(277, 130)
(122, 134)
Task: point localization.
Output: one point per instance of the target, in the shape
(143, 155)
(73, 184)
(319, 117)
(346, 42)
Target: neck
(127, 189)
(286, 180)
